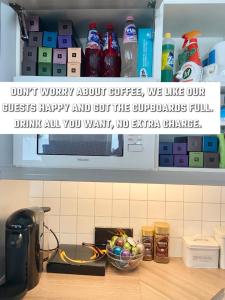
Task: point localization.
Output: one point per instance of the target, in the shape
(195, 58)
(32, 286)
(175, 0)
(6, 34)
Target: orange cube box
(74, 55)
(73, 70)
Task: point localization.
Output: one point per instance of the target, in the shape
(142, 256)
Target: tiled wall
(78, 207)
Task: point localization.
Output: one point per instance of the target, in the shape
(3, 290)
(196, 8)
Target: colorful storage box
(196, 159)
(179, 148)
(50, 39)
(181, 161)
(210, 144)
(33, 23)
(165, 148)
(30, 54)
(44, 69)
(35, 39)
(145, 52)
(44, 55)
(65, 28)
(73, 69)
(59, 70)
(166, 160)
(194, 143)
(64, 41)
(29, 68)
(74, 55)
(211, 160)
(60, 56)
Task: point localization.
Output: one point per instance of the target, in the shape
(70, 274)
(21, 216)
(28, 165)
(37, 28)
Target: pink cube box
(33, 23)
(60, 56)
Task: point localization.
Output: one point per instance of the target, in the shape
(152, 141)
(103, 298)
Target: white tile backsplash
(77, 207)
(212, 194)
(157, 192)
(192, 193)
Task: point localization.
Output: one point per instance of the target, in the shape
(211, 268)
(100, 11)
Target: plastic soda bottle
(111, 54)
(93, 53)
(129, 53)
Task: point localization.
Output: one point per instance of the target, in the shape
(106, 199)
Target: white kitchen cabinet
(175, 16)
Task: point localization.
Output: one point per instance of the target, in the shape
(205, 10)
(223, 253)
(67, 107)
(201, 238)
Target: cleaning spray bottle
(190, 62)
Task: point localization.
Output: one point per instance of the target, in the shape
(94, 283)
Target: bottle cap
(92, 25)
(130, 18)
(167, 35)
(147, 230)
(161, 228)
(109, 27)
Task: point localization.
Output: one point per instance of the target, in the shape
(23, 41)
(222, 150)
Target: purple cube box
(179, 148)
(64, 41)
(166, 160)
(181, 161)
(60, 56)
(33, 23)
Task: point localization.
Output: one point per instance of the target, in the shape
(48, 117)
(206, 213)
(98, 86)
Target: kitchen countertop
(151, 281)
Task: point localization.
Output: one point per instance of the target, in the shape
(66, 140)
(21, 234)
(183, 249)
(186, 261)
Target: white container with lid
(200, 252)
(220, 238)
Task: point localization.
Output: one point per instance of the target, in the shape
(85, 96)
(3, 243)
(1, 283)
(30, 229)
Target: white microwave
(116, 152)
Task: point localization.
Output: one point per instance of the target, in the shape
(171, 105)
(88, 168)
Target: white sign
(110, 107)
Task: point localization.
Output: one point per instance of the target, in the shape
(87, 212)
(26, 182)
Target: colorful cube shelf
(44, 55)
(50, 39)
(64, 41)
(73, 69)
(60, 56)
(35, 39)
(44, 69)
(30, 54)
(196, 160)
(195, 143)
(59, 70)
(74, 55)
(210, 144)
(65, 28)
(165, 148)
(179, 148)
(166, 160)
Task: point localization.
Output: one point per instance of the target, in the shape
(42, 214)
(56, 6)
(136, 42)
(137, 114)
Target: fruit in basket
(127, 246)
(125, 254)
(134, 251)
(140, 248)
(117, 250)
(113, 239)
(119, 242)
(131, 241)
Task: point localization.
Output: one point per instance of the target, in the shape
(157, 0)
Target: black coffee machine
(24, 238)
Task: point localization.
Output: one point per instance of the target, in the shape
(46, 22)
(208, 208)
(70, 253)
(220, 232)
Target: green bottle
(167, 69)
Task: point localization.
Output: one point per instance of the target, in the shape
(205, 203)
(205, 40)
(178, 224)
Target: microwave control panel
(135, 143)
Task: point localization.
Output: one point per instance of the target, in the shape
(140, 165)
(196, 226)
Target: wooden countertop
(151, 281)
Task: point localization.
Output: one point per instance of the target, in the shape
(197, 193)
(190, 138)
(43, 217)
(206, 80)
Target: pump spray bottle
(190, 62)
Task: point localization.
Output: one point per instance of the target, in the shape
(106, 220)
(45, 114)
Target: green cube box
(44, 69)
(44, 55)
(196, 159)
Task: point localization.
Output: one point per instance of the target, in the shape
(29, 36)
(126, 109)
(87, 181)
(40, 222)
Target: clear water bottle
(129, 51)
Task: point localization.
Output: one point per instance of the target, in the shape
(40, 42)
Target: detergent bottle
(167, 68)
(191, 67)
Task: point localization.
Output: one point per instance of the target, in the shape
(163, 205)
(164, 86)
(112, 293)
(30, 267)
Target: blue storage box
(210, 144)
(166, 160)
(165, 148)
(145, 52)
(49, 39)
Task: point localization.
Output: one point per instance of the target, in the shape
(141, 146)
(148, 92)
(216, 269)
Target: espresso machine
(24, 238)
